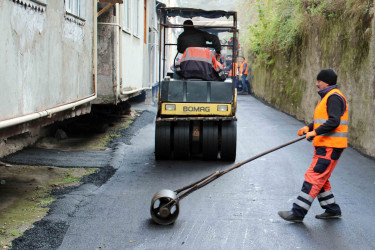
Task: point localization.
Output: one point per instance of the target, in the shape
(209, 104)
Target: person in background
(243, 71)
(233, 73)
(230, 42)
(329, 131)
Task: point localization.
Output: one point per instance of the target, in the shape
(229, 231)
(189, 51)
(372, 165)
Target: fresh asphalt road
(238, 210)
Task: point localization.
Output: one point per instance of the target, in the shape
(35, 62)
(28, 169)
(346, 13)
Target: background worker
(329, 130)
(230, 42)
(243, 71)
(192, 37)
(233, 73)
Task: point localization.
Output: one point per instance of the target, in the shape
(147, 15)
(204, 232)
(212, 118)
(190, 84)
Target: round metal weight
(228, 141)
(210, 140)
(162, 140)
(164, 215)
(181, 140)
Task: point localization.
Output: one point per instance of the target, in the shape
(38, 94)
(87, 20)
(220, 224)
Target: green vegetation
(282, 25)
(283, 38)
(277, 29)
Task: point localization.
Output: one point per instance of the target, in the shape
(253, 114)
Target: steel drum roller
(163, 210)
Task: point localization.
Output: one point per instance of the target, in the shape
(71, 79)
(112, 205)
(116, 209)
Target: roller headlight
(222, 108)
(170, 107)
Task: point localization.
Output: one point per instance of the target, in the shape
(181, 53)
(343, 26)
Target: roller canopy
(190, 13)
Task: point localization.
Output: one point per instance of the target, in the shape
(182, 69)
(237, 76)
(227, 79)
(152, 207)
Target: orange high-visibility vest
(198, 62)
(233, 69)
(203, 55)
(337, 138)
(241, 68)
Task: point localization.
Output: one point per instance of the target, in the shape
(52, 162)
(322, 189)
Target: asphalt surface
(237, 211)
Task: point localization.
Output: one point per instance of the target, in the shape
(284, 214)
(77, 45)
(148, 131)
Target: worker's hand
(218, 56)
(310, 135)
(303, 130)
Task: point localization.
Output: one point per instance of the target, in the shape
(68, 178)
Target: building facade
(127, 49)
(47, 62)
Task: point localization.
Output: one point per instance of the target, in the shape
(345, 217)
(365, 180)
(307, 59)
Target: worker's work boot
(290, 216)
(327, 215)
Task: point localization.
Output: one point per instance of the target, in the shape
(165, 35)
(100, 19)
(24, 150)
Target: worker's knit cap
(328, 76)
(188, 22)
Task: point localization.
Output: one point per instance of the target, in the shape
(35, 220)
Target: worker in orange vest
(233, 71)
(329, 132)
(243, 71)
(200, 63)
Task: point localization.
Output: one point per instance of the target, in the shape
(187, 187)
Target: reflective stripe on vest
(338, 138)
(321, 121)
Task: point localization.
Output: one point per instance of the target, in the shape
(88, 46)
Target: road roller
(195, 118)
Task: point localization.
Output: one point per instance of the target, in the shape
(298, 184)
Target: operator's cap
(328, 76)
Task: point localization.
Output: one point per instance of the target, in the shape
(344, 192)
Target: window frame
(73, 7)
(136, 18)
(126, 17)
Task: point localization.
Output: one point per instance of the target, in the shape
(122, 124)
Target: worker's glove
(310, 135)
(303, 130)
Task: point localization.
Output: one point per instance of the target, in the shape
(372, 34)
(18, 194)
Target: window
(136, 17)
(126, 15)
(73, 7)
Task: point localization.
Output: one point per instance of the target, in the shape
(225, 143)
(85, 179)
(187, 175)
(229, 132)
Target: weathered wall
(124, 59)
(45, 57)
(106, 55)
(289, 84)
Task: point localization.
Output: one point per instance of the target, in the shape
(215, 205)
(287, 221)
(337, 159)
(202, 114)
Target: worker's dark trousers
(244, 84)
(316, 182)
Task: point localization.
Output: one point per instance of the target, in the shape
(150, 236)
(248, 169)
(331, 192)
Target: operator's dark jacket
(192, 37)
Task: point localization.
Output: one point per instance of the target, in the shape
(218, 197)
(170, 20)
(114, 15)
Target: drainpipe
(95, 46)
(134, 91)
(45, 113)
(120, 47)
(117, 35)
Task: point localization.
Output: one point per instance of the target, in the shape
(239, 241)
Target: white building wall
(124, 58)
(45, 56)
(133, 49)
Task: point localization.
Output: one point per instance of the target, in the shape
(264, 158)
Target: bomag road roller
(195, 118)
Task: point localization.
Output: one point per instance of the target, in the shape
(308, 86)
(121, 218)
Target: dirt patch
(25, 195)
(90, 141)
